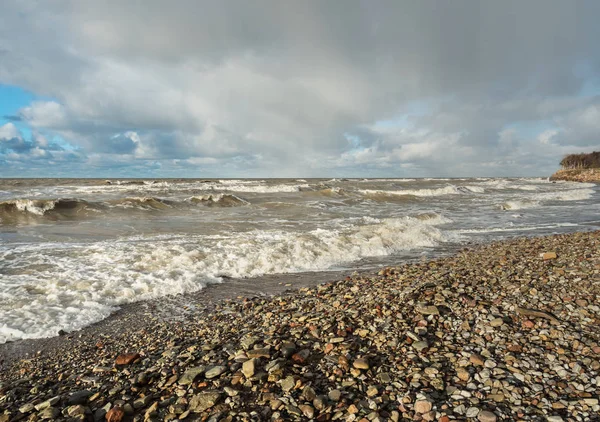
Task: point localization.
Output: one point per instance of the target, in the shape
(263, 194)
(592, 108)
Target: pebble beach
(504, 331)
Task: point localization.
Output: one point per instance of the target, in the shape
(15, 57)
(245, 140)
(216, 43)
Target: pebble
(249, 368)
(361, 363)
(486, 416)
(214, 372)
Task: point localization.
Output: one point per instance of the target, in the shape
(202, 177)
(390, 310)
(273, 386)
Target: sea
(72, 251)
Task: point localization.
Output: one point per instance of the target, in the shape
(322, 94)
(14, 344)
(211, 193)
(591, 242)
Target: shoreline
(470, 336)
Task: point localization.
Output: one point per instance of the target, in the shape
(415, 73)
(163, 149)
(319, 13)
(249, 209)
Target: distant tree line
(581, 161)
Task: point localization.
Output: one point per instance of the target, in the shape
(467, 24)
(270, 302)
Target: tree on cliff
(581, 161)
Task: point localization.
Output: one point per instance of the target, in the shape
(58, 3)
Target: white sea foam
(33, 206)
(446, 190)
(566, 195)
(83, 283)
(263, 188)
(514, 228)
(518, 205)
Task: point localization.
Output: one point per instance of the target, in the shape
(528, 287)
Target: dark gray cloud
(302, 88)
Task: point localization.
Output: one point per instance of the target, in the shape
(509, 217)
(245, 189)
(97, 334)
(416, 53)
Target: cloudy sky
(296, 88)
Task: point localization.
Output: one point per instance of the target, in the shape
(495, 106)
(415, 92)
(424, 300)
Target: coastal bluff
(577, 175)
(579, 168)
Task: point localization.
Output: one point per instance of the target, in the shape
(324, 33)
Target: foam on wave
(446, 190)
(82, 284)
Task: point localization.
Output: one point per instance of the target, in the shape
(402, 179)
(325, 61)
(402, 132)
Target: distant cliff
(579, 168)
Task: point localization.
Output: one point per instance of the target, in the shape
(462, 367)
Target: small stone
(463, 374)
(126, 358)
(231, 392)
(428, 310)
(361, 363)
(76, 410)
(248, 342)
(49, 413)
(372, 391)
(486, 416)
(288, 383)
(190, 375)
(423, 406)
(420, 345)
(301, 356)
(26, 408)
(50, 402)
(319, 402)
(248, 368)
(548, 255)
(116, 414)
(205, 400)
(476, 360)
(515, 348)
(497, 322)
(352, 409)
(308, 393)
(528, 324)
(79, 397)
(555, 419)
(259, 353)
(472, 412)
(214, 372)
(335, 395)
(307, 410)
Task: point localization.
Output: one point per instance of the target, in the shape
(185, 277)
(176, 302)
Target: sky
(338, 88)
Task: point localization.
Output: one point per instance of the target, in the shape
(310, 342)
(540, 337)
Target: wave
(566, 195)
(281, 188)
(19, 209)
(24, 210)
(221, 199)
(82, 284)
(446, 190)
(518, 205)
(538, 199)
(142, 202)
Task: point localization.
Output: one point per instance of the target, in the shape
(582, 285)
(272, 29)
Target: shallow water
(72, 251)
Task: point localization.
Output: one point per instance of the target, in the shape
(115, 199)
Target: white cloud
(259, 88)
(9, 131)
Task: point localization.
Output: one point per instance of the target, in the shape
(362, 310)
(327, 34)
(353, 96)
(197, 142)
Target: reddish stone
(514, 348)
(328, 348)
(528, 324)
(127, 358)
(116, 414)
(301, 356)
(444, 419)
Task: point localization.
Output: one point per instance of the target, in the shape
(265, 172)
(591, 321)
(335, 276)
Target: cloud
(267, 88)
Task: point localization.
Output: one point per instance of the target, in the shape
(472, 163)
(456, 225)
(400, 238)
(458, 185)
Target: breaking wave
(84, 284)
(17, 209)
(223, 200)
(24, 210)
(446, 190)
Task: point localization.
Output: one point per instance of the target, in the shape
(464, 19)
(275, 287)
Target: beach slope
(505, 331)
